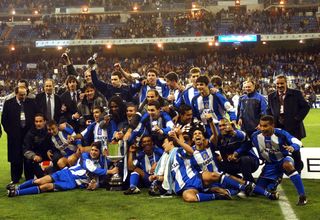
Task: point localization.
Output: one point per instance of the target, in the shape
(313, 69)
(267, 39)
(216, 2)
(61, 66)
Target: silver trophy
(116, 154)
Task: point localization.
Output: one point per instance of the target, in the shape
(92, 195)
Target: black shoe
(11, 192)
(132, 190)
(302, 200)
(10, 185)
(220, 196)
(249, 189)
(274, 196)
(154, 190)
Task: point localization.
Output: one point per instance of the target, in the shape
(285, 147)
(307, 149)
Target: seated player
(64, 153)
(89, 166)
(199, 160)
(236, 154)
(275, 147)
(142, 164)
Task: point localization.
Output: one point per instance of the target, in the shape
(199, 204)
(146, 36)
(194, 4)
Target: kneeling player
(275, 147)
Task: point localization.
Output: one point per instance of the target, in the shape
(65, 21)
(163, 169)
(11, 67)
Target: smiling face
(153, 111)
(53, 130)
(94, 152)
(281, 85)
(224, 126)
(152, 78)
(248, 87)
(147, 145)
(266, 128)
(90, 92)
(87, 76)
(203, 88)
(152, 96)
(198, 139)
(48, 87)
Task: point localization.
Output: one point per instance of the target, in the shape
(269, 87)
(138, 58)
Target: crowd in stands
(148, 25)
(303, 67)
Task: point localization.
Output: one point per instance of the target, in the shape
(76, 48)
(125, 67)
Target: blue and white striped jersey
(60, 142)
(203, 160)
(161, 87)
(187, 96)
(216, 104)
(94, 133)
(181, 170)
(271, 148)
(85, 165)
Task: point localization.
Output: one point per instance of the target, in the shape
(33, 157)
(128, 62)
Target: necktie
(49, 113)
(74, 97)
(22, 116)
(281, 102)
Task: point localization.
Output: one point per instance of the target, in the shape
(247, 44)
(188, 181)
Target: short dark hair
(40, 115)
(89, 86)
(71, 78)
(116, 73)
(51, 123)
(216, 80)
(268, 118)
(153, 70)
(155, 103)
(203, 79)
(172, 76)
(184, 108)
(25, 82)
(131, 104)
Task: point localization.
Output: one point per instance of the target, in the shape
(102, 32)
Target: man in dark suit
(17, 118)
(48, 103)
(289, 108)
(69, 101)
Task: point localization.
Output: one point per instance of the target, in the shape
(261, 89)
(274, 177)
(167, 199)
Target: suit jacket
(296, 109)
(10, 121)
(71, 109)
(41, 101)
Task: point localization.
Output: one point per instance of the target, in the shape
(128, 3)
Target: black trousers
(246, 165)
(17, 168)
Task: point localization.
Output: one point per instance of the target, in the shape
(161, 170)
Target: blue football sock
(233, 192)
(296, 180)
(261, 191)
(231, 183)
(203, 197)
(134, 179)
(28, 191)
(26, 184)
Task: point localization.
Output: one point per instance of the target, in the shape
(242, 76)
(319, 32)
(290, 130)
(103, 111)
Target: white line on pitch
(285, 206)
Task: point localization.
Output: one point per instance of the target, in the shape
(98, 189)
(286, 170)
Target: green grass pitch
(102, 204)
